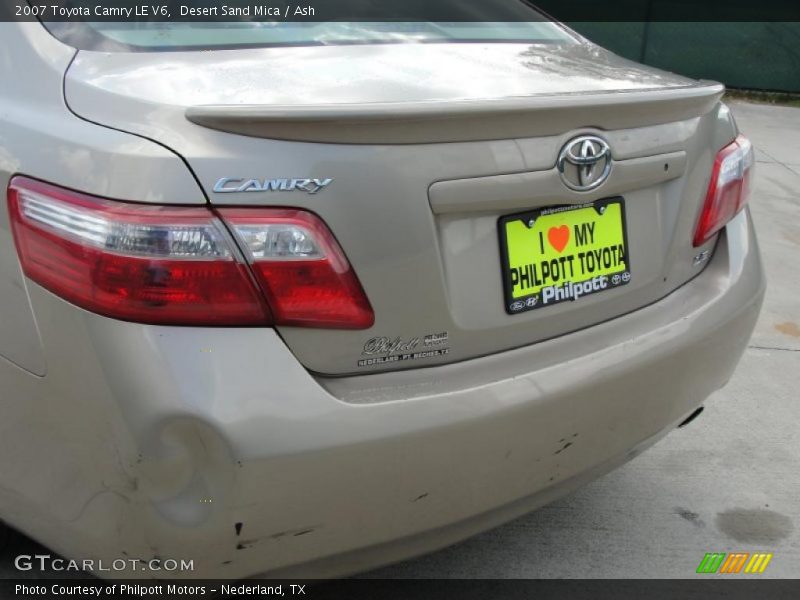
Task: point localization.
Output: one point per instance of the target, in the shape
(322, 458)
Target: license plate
(563, 253)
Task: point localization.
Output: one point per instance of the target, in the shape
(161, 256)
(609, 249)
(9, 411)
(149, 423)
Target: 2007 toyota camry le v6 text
(311, 298)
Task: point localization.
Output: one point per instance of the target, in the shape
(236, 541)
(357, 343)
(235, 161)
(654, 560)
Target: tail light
(728, 190)
(300, 268)
(165, 265)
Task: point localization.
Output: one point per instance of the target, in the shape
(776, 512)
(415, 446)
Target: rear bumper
(217, 446)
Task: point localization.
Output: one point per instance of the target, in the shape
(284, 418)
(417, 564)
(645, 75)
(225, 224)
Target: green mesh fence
(764, 56)
(753, 44)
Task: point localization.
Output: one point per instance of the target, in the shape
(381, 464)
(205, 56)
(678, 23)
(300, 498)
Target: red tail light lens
(180, 266)
(301, 269)
(140, 263)
(728, 190)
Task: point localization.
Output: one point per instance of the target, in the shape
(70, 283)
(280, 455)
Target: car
(307, 299)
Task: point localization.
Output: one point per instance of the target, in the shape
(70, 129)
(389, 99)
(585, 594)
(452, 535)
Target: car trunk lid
(427, 146)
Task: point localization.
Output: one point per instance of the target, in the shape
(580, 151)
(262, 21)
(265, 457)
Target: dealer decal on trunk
(383, 350)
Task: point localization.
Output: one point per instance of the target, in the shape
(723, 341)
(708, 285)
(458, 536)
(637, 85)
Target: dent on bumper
(223, 449)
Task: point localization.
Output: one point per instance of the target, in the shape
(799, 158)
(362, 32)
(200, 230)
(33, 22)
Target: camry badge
(230, 185)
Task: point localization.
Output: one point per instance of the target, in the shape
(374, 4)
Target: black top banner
(505, 11)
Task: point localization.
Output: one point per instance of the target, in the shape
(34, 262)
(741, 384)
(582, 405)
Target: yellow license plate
(563, 253)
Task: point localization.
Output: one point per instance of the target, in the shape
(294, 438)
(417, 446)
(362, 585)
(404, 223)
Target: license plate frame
(619, 276)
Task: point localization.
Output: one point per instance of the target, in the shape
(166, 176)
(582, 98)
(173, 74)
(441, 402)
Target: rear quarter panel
(41, 138)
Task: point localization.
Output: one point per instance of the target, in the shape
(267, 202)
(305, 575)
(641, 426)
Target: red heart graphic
(558, 237)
